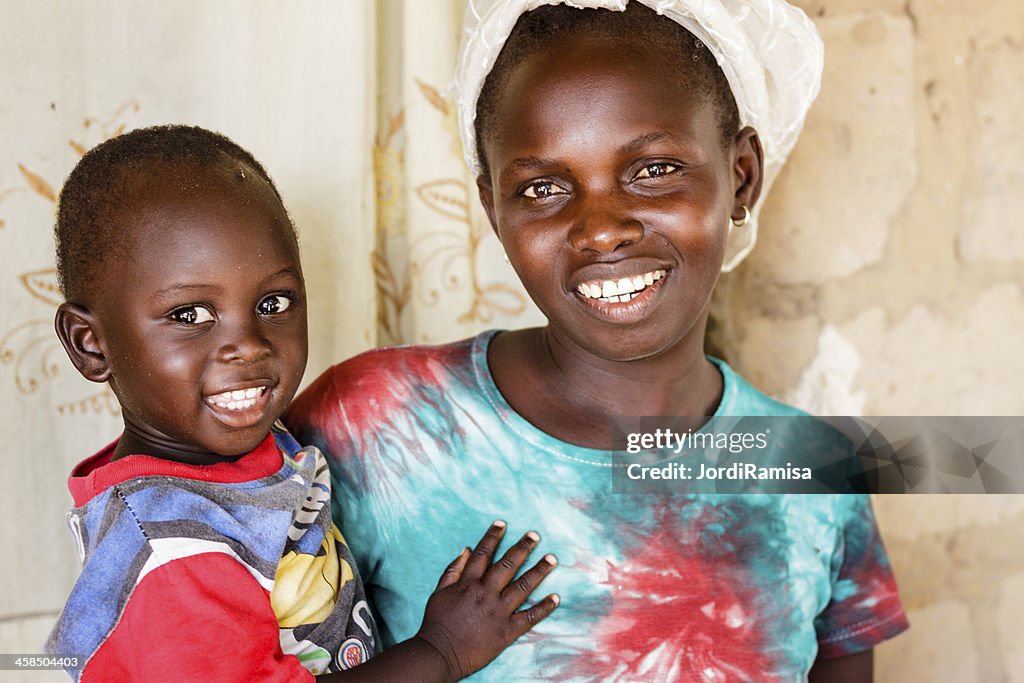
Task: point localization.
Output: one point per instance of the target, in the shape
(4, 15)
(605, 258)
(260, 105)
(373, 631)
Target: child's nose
(604, 224)
(244, 343)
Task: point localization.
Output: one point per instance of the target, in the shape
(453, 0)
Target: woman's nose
(604, 224)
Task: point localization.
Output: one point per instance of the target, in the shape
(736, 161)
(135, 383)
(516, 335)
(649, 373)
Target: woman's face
(611, 190)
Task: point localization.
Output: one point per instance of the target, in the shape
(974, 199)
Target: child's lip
(243, 405)
(238, 394)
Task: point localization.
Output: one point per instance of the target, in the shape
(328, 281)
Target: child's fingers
(503, 570)
(528, 618)
(516, 592)
(453, 572)
(482, 555)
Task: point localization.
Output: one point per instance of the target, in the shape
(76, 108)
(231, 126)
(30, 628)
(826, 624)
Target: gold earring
(743, 221)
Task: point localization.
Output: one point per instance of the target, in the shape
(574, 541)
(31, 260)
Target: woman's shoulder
(387, 369)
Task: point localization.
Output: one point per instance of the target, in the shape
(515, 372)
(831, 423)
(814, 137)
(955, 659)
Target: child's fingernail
(499, 523)
(533, 536)
(551, 559)
(555, 599)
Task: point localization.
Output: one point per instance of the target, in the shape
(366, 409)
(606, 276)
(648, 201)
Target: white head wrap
(769, 51)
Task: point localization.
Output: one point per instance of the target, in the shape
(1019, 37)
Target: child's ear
(486, 191)
(748, 168)
(76, 329)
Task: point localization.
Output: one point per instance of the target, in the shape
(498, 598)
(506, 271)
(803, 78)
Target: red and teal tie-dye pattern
(425, 452)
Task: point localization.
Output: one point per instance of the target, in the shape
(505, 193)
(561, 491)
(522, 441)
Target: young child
(205, 530)
(621, 151)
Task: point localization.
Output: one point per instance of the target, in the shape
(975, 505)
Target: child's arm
(470, 618)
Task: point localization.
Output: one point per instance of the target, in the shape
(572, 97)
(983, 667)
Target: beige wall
(889, 280)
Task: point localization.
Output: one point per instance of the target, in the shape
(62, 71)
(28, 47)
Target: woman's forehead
(592, 83)
(588, 55)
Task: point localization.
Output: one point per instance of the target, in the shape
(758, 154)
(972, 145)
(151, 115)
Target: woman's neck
(572, 395)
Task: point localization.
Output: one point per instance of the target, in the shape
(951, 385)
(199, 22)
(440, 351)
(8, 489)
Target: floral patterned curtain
(438, 267)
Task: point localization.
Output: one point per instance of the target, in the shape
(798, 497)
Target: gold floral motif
(102, 401)
(393, 295)
(4, 194)
(38, 185)
(389, 174)
(31, 346)
(451, 197)
(391, 274)
(42, 284)
(109, 128)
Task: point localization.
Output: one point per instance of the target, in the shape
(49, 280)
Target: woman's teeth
(619, 291)
(239, 399)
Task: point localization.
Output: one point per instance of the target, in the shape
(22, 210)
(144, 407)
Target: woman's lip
(628, 267)
(628, 311)
(627, 286)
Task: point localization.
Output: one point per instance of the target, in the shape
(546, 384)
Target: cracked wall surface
(889, 280)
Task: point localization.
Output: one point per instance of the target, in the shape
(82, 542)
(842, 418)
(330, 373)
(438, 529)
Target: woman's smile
(626, 299)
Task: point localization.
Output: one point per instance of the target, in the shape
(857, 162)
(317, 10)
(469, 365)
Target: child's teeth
(648, 279)
(625, 286)
(608, 289)
(239, 399)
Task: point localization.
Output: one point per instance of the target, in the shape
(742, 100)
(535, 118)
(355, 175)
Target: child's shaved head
(545, 25)
(112, 178)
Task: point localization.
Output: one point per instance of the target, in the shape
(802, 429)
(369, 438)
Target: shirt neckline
(97, 473)
(540, 439)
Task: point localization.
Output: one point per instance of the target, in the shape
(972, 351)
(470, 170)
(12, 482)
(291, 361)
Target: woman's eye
(192, 315)
(275, 303)
(542, 189)
(657, 170)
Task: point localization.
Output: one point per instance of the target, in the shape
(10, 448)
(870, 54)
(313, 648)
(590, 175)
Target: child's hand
(471, 616)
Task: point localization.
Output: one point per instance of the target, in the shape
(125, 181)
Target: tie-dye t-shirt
(425, 453)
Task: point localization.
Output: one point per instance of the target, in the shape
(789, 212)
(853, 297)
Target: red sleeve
(865, 608)
(202, 617)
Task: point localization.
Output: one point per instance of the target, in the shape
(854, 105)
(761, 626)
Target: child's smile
(611, 189)
(239, 407)
(203, 322)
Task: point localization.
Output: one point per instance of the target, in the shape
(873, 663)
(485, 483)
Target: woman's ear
(76, 329)
(486, 191)
(748, 170)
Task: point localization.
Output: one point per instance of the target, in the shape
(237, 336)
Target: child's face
(203, 322)
(605, 168)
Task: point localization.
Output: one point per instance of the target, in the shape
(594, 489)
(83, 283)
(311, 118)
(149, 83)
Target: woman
(618, 165)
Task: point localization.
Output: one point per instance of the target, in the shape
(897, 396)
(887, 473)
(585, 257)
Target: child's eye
(191, 315)
(541, 189)
(657, 170)
(275, 303)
